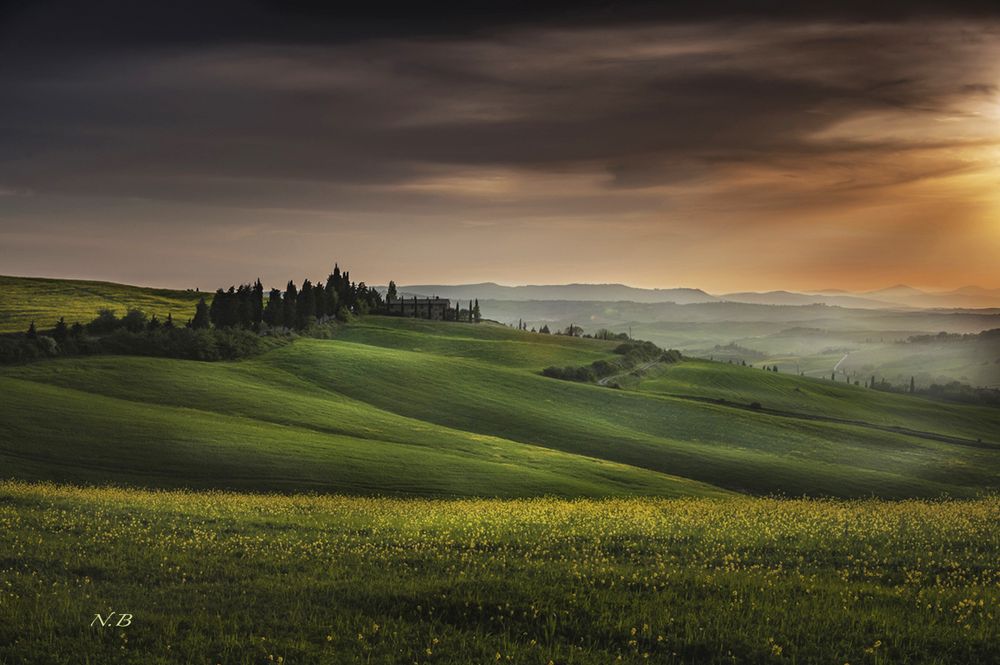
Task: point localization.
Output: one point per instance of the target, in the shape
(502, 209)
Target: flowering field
(235, 578)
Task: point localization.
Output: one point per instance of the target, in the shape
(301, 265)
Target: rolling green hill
(413, 407)
(27, 299)
(822, 398)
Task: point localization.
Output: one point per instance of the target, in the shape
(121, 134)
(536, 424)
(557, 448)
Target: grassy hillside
(822, 398)
(974, 361)
(239, 579)
(27, 299)
(415, 407)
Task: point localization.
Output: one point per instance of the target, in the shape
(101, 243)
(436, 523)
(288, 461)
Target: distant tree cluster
(633, 352)
(572, 330)
(135, 333)
(607, 335)
(954, 337)
(295, 308)
(954, 391)
(472, 315)
(230, 327)
(582, 374)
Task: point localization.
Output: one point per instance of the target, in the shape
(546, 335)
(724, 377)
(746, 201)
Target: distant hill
(896, 297)
(791, 298)
(42, 300)
(897, 291)
(972, 297)
(575, 292)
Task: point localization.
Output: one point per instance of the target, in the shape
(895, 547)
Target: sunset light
(549, 332)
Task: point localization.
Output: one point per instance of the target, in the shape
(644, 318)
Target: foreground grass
(232, 578)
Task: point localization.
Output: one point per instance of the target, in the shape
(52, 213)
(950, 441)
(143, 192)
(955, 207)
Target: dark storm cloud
(293, 125)
(136, 23)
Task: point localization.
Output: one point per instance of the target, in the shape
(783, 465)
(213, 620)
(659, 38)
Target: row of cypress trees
(295, 307)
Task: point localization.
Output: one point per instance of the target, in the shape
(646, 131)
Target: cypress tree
(258, 304)
(60, 332)
(32, 332)
(305, 305)
(215, 311)
(352, 294)
(319, 300)
(913, 385)
(244, 312)
(272, 314)
(289, 304)
(338, 281)
(231, 308)
(201, 318)
(476, 314)
(391, 294)
(330, 297)
(169, 323)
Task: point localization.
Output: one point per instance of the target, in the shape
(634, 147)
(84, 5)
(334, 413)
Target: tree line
(233, 325)
(135, 333)
(295, 308)
(633, 354)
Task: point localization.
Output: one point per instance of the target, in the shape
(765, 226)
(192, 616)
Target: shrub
(105, 322)
(581, 374)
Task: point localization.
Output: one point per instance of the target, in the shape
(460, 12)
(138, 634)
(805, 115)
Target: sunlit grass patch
(236, 578)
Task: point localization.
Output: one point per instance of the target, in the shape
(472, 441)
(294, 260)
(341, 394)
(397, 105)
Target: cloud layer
(799, 151)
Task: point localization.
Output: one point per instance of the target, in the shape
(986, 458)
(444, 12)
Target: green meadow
(411, 491)
(262, 424)
(252, 579)
(405, 407)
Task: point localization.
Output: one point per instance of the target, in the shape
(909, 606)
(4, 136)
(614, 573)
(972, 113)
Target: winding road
(839, 362)
(645, 366)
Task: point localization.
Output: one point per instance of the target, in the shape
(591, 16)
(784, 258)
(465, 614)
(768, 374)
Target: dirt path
(840, 362)
(604, 381)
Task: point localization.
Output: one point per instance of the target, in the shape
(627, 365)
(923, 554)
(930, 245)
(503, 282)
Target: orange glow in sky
(754, 156)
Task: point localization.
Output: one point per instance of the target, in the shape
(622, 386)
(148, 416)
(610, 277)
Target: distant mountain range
(604, 292)
(899, 296)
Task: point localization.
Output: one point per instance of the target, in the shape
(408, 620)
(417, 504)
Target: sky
(704, 145)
